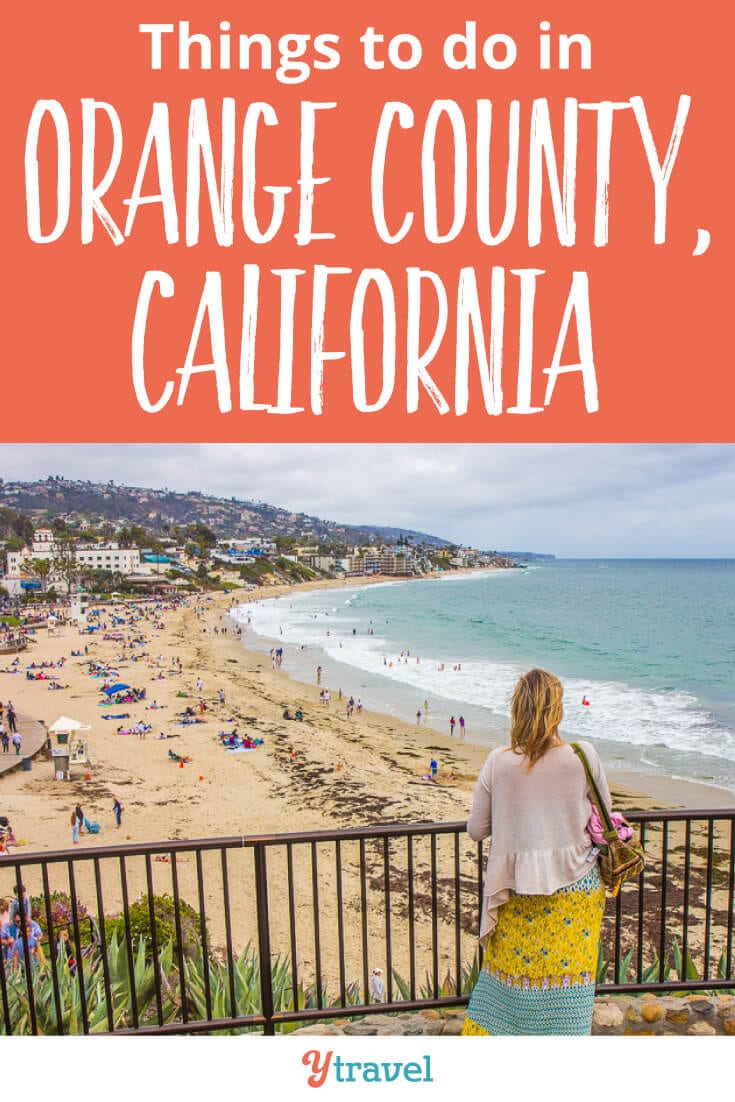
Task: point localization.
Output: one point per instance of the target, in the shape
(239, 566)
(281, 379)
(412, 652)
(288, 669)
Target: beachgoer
(377, 986)
(74, 828)
(452, 722)
(4, 738)
(117, 810)
(21, 892)
(433, 768)
(543, 899)
(6, 938)
(64, 949)
(221, 694)
(318, 675)
(16, 742)
(461, 726)
(10, 713)
(34, 946)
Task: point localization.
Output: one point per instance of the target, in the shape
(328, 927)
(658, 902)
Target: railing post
(264, 937)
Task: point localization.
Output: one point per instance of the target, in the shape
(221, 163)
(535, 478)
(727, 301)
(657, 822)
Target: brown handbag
(618, 860)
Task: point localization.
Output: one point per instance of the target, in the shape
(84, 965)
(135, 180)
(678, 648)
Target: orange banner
(368, 222)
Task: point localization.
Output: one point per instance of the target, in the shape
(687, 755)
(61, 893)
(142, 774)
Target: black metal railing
(266, 932)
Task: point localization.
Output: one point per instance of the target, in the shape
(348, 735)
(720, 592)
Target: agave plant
(81, 991)
(238, 993)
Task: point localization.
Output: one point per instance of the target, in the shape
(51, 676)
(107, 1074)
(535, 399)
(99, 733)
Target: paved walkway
(33, 735)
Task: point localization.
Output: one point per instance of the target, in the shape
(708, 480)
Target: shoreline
(648, 785)
(653, 789)
(330, 771)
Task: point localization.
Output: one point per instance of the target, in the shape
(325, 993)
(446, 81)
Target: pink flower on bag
(595, 827)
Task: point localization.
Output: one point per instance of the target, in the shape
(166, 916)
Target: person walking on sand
(461, 726)
(117, 810)
(74, 828)
(452, 722)
(418, 717)
(318, 675)
(544, 898)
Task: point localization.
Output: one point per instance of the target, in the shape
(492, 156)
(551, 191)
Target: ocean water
(650, 643)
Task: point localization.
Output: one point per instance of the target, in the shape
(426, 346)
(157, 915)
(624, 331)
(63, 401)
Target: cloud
(568, 499)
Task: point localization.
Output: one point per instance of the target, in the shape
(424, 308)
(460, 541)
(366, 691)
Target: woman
(543, 899)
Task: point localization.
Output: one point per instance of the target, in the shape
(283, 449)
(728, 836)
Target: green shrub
(165, 924)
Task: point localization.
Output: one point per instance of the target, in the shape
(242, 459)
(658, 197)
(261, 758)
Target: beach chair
(91, 828)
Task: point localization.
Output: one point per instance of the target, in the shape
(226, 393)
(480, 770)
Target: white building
(256, 543)
(110, 556)
(94, 556)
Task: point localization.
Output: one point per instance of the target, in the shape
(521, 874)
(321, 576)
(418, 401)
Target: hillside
(82, 504)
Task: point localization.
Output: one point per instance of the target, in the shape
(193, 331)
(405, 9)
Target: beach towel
(120, 715)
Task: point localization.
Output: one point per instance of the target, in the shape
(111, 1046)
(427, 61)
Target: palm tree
(41, 568)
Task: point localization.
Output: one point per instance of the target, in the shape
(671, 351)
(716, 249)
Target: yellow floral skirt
(538, 976)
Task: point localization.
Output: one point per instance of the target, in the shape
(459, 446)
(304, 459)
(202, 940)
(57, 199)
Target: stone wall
(614, 1016)
(659, 1017)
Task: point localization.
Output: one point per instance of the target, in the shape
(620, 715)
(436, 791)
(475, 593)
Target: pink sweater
(537, 818)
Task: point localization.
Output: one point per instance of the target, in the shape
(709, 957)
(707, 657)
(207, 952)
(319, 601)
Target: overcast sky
(576, 500)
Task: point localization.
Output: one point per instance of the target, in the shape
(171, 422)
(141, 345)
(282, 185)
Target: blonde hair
(536, 712)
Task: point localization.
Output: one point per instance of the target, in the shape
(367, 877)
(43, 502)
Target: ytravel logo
(328, 1066)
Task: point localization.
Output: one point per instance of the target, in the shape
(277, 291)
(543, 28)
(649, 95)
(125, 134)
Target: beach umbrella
(64, 724)
(118, 688)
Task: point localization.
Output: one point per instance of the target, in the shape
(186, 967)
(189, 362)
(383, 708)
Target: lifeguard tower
(71, 749)
(78, 605)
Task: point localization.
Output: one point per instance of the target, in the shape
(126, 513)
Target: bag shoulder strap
(599, 802)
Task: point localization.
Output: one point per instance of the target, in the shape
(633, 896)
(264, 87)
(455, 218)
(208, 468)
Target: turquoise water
(650, 643)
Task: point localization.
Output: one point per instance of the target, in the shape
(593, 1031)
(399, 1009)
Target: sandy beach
(326, 772)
